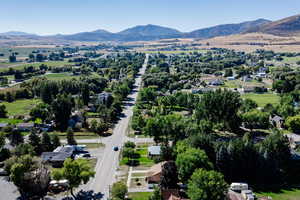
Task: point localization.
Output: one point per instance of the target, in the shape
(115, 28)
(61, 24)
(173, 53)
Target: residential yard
(20, 107)
(92, 145)
(142, 158)
(77, 135)
(293, 194)
(10, 121)
(139, 195)
(240, 84)
(263, 99)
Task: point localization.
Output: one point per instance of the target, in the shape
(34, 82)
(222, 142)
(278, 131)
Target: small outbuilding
(154, 151)
(25, 126)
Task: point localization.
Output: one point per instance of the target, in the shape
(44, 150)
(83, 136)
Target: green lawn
(293, 194)
(142, 160)
(92, 145)
(10, 121)
(263, 99)
(60, 76)
(232, 84)
(20, 107)
(139, 195)
(77, 135)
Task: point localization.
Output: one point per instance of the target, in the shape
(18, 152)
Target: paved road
(107, 166)
(106, 140)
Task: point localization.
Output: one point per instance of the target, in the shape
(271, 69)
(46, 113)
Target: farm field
(293, 194)
(18, 66)
(263, 99)
(20, 107)
(291, 59)
(24, 52)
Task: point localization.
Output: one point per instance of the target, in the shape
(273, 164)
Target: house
(262, 69)
(207, 89)
(154, 151)
(171, 194)
(25, 126)
(56, 159)
(216, 82)
(293, 138)
(45, 127)
(60, 154)
(261, 75)
(104, 98)
(276, 121)
(248, 89)
(154, 174)
(3, 125)
(246, 78)
(76, 120)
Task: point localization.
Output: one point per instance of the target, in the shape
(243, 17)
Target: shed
(25, 126)
(154, 151)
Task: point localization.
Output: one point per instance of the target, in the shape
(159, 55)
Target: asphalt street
(107, 165)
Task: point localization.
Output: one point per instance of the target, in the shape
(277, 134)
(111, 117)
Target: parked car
(116, 148)
(58, 186)
(83, 155)
(238, 187)
(3, 172)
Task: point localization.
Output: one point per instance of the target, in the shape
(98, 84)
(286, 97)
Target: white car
(83, 155)
(238, 187)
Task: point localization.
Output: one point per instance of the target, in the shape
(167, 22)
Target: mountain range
(284, 27)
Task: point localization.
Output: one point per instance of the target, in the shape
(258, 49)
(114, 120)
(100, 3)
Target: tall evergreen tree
(70, 137)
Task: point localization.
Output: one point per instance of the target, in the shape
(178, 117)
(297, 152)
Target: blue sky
(71, 16)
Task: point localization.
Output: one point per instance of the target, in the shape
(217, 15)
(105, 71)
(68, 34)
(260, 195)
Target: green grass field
(20, 107)
(24, 52)
(291, 59)
(20, 66)
(60, 76)
(262, 99)
(293, 194)
(139, 195)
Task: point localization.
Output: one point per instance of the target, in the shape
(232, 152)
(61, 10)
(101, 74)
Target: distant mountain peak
(150, 30)
(284, 27)
(226, 29)
(101, 31)
(16, 33)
